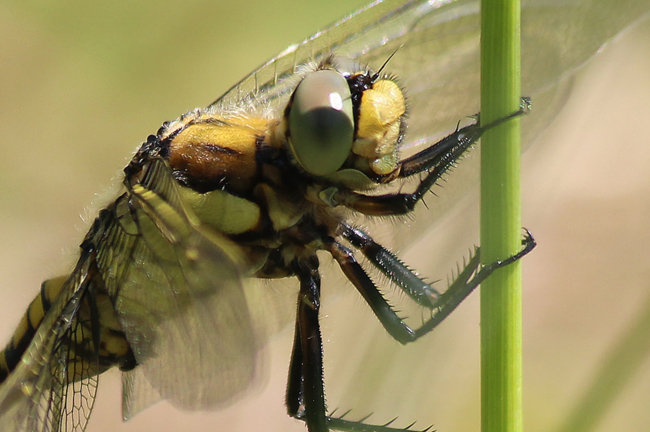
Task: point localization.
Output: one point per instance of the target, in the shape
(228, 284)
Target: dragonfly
(269, 87)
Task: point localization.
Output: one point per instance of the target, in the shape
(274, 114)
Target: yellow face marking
(380, 113)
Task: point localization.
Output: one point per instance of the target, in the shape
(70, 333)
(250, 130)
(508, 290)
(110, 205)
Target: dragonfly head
(340, 121)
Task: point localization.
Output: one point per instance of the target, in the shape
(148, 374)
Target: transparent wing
(178, 296)
(436, 46)
(51, 389)
(177, 292)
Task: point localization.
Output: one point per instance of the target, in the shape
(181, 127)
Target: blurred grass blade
(617, 369)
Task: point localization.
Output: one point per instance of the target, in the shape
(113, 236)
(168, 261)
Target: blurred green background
(82, 84)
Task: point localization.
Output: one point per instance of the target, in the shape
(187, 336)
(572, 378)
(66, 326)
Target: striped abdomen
(94, 320)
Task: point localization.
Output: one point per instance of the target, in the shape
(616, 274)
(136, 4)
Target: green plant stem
(501, 360)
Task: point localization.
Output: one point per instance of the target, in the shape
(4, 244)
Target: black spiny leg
(293, 398)
(436, 160)
(391, 266)
(393, 324)
(441, 304)
(306, 371)
(305, 390)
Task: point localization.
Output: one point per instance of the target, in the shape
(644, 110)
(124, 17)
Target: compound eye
(320, 122)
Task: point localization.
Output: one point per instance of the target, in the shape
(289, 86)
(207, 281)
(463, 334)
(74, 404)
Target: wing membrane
(436, 46)
(177, 292)
(178, 296)
(49, 392)
(437, 51)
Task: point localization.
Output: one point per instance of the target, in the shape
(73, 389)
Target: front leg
(436, 160)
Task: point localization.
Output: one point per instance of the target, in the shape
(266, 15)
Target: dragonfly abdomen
(29, 323)
(96, 320)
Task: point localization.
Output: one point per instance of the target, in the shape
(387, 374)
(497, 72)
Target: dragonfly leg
(440, 305)
(391, 266)
(305, 385)
(294, 395)
(305, 396)
(393, 324)
(468, 279)
(435, 160)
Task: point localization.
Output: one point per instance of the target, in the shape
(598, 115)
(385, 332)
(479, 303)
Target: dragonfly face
(229, 249)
